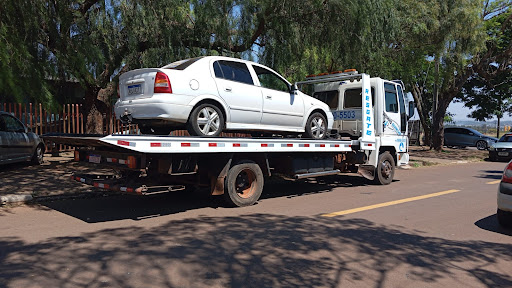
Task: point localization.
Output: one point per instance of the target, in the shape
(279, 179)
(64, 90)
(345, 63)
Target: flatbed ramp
(180, 145)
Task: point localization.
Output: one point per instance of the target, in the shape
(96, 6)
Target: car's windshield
(506, 138)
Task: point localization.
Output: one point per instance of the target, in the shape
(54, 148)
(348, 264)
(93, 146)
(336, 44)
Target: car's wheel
(316, 126)
(481, 145)
(206, 120)
(244, 184)
(385, 170)
(37, 158)
(504, 218)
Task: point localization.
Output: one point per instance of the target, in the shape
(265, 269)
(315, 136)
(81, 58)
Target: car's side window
(270, 80)
(11, 124)
(234, 71)
(390, 95)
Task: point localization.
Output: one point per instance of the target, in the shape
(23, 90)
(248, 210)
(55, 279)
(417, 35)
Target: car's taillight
(507, 174)
(162, 83)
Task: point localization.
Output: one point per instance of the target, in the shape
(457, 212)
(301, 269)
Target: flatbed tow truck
(236, 167)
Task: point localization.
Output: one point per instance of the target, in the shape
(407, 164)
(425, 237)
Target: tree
(491, 97)
(462, 56)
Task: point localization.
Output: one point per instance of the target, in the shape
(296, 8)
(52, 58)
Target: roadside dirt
(424, 156)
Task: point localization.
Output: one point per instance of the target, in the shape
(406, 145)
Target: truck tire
(385, 169)
(243, 184)
(206, 120)
(316, 126)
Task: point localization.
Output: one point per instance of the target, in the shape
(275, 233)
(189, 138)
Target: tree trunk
(96, 106)
(438, 124)
(417, 95)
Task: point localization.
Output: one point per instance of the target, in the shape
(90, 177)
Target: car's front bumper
(500, 155)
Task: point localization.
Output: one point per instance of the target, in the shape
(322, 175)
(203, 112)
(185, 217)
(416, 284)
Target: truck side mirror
(412, 107)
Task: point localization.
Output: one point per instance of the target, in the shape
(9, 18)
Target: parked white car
(207, 95)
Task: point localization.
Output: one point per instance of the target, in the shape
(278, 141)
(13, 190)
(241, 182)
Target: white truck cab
(372, 110)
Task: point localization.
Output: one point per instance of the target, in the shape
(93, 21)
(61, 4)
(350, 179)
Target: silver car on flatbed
(207, 95)
(17, 144)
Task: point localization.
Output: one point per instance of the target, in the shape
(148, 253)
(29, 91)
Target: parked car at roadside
(463, 137)
(505, 198)
(501, 150)
(17, 144)
(207, 95)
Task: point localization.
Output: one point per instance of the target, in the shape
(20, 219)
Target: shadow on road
(120, 207)
(490, 223)
(257, 250)
(490, 174)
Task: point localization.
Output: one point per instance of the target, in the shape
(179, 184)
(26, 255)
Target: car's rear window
(182, 64)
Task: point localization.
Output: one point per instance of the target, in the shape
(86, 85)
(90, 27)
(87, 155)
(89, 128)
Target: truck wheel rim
(318, 127)
(245, 183)
(386, 169)
(208, 121)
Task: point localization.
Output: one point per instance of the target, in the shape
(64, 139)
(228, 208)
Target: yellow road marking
(493, 182)
(385, 204)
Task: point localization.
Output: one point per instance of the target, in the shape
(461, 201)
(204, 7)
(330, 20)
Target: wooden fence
(71, 120)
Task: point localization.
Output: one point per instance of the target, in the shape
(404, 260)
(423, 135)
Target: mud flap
(367, 171)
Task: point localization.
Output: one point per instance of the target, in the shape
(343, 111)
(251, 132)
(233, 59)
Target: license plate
(135, 89)
(502, 153)
(95, 159)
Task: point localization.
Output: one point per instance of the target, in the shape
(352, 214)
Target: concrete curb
(16, 198)
(26, 198)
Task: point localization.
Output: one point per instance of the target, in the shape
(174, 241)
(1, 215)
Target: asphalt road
(432, 227)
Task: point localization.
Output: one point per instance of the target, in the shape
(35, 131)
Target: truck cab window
(390, 98)
(353, 98)
(403, 114)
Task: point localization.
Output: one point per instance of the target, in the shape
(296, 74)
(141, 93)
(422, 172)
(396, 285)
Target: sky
(460, 113)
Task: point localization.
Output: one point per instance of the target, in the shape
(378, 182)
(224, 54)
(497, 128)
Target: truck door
(392, 119)
(403, 113)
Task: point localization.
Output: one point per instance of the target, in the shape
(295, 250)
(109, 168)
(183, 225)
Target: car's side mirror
(412, 107)
(294, 88)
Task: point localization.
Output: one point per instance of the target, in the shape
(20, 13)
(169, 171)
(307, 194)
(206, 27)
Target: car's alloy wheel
(316, 127)
(37, 158)
(481, 145)
(206, 120)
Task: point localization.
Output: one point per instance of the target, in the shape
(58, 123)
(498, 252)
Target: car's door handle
(269, 97)
(227, 89)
